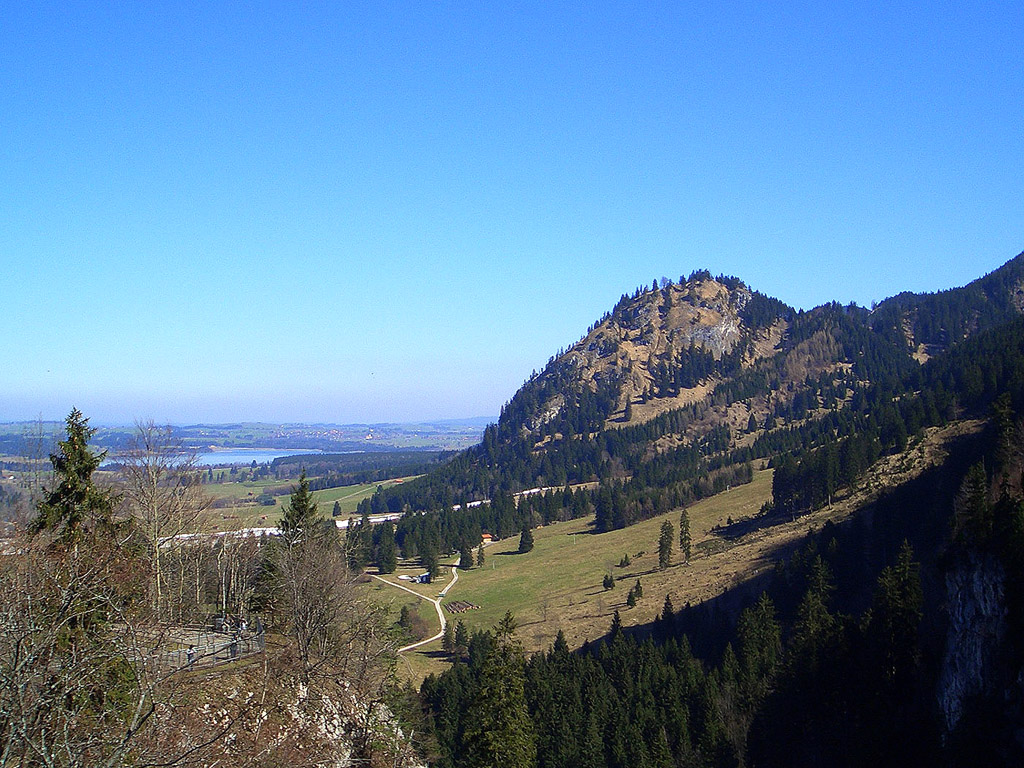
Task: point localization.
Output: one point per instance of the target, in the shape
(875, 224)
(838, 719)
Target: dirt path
(437, 606)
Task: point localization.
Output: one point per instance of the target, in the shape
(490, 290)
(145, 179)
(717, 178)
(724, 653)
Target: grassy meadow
(557, 586)
(242, 511)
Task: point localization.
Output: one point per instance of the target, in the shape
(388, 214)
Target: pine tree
(480, 555)
(667, 611)
(300, 516)
(815, 626)
(465, 557)
(75, 500)
(615, 631)
(501, 732)
(525, 541)
(894, 620)
(461, 638)
(684, 535)
(387, 550)
(448, 639)
(760, 649)
(358, 544)
(430, 561)
(665, 545)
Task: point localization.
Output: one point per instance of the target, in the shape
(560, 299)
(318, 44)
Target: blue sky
(347, 212)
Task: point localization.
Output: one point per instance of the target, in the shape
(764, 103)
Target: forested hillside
(891, 639)
(682, 387)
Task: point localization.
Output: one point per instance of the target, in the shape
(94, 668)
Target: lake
(248, 455)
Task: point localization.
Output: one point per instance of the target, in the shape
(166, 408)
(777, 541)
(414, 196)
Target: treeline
(338, 469)
(497, 466)
(451, 530)
(674, 479)
(615, 504)
(618, 505)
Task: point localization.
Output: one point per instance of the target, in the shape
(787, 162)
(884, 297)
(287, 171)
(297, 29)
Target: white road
(437, 606)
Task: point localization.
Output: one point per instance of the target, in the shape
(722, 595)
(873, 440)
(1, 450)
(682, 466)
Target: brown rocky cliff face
(653, 328)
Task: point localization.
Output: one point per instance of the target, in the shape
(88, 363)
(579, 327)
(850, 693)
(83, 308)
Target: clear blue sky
(380, 212)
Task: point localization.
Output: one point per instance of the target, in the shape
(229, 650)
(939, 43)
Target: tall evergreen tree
(501, 732)
(480, 555)
(300, 516)
(75, 499)
(665, 545)
(387, 550)
(448, 639)
(667, 611)
(525, 541)
(430, 561)
(894, 621)
(684, 535)
(461, 638)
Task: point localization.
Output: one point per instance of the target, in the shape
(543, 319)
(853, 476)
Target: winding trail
(437, 606)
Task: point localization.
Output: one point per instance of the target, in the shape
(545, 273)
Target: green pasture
(559, 581)
(244, 511)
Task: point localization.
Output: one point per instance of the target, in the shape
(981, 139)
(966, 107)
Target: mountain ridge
(709, 373)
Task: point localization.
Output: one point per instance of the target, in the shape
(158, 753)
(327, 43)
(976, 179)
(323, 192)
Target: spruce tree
(501, 732)
(461, 638)
(300, 516)
(465, 557)
(480, 555)
(448, 639)
(430, 561)
(667, 611)
(894, 621)
(387, 551)
(665, 545)
(74, 500)
(525, 541)
(684, 535)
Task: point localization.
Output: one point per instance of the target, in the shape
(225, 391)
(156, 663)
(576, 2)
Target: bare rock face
(653, 328)
(975, 593)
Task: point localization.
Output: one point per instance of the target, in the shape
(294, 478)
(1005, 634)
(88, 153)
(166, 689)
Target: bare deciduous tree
(164, 496)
